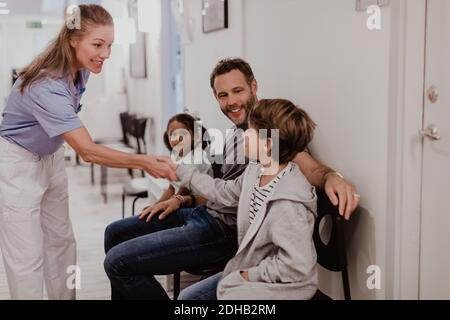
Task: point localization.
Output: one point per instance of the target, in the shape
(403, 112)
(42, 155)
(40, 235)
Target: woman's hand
(167, 160)
(160, 167)
(163, 209)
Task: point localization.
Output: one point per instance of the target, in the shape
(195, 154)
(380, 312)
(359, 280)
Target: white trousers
(36, 234)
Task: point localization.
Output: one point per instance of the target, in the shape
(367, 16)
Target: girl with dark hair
(186, 138)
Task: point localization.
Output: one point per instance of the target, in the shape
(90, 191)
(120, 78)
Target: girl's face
(94, 48)
(180, 137)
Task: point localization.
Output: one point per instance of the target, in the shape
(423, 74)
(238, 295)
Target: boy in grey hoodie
(276, 258)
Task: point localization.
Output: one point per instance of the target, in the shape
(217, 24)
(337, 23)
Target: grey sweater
(277, 249)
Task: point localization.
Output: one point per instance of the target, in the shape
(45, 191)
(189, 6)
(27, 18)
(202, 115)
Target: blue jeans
(202, 290)
(136, 251)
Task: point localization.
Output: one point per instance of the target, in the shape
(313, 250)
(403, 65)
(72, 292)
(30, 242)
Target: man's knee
(113, 263)
(108, 237)
(113, 234)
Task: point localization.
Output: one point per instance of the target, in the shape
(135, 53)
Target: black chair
(123, 144)
(137, 188)
(332, 255)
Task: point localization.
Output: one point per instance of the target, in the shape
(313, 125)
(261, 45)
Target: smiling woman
(41, 113)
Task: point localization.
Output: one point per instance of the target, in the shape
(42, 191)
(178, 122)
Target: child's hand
(244, 274)
(163, 209)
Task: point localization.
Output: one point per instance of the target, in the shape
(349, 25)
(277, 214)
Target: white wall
(19, 45)
(202, 54)
(321, 55)
(329, 63)
(145, 95)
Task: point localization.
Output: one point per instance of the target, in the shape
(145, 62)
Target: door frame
(407, 74)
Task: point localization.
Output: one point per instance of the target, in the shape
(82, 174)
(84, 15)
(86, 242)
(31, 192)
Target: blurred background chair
(138, 187)
(123, 144)
(134, 129)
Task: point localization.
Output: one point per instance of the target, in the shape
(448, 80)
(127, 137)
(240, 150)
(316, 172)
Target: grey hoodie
(277, 249)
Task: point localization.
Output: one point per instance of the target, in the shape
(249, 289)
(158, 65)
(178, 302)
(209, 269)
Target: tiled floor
(90, 216)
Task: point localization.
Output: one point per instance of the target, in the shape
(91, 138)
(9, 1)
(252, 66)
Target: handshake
(160, 167)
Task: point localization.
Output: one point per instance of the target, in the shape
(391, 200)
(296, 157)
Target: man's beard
(247, 108)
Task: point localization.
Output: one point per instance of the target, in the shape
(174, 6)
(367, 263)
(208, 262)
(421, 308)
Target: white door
(435, 225)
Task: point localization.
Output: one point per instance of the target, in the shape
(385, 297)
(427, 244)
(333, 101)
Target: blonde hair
(296, 129)
(59, 56)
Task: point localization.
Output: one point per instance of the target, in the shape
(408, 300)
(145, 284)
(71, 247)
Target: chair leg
(92, 174)
(346, 284)
(123, 205)
(134, 202)
(104, 182)
(176, 285)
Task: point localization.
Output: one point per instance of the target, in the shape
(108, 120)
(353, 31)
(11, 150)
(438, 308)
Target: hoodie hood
(295, 187)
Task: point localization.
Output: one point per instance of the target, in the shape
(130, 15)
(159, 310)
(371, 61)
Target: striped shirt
(261, 195)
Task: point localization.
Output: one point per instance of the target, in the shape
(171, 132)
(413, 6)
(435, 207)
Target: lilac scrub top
(36, 119)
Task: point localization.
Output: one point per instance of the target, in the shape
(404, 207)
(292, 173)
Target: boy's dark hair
(189, 122)
(296, 129)
(229, 64)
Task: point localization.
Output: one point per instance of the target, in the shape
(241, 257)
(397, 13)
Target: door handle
(431, 132)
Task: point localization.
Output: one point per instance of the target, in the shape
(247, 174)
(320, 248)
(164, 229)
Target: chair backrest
(138, 131)
(126, 120)
(331, 255)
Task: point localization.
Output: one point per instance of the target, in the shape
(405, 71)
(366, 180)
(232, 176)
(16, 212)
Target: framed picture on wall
(215, 15)
(138, 50)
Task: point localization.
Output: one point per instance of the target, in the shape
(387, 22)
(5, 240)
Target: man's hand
(343, 193)
(163, 209)
(159, 167)
(337, 189)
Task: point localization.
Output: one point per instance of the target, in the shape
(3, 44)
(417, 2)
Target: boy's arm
(217, 190)
(291, 232)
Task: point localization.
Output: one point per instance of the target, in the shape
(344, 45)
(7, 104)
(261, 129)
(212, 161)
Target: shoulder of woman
(50, 85)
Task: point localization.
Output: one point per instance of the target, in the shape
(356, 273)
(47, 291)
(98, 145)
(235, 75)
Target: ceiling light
(4, 11)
